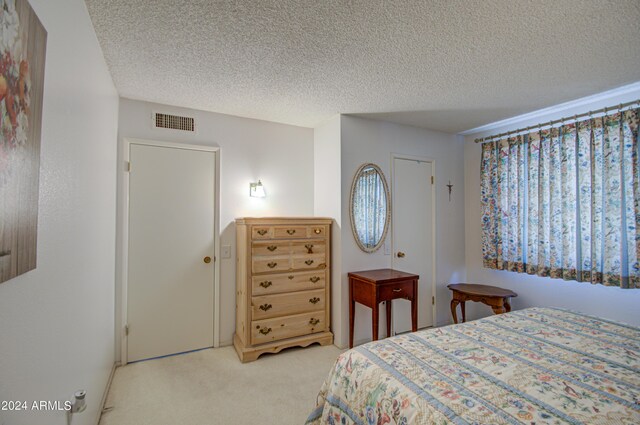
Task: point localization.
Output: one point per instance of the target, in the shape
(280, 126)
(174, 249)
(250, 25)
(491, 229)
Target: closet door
(170, 285)
(413, 237)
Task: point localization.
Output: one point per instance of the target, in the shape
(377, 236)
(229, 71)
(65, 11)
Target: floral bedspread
(533, 366)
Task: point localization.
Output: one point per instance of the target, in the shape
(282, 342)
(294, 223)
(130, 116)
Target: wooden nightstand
(371, 287)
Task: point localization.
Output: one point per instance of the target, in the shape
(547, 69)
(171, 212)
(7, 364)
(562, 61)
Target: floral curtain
(565, 202)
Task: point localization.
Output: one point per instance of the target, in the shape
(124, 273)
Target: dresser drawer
(261, 232)
(307, 262)
(270, 264)
(287, 327)
(317, 231)
(266, 306)
(289, 282)
(308, 247)
(289, 232)
(395, 291)
(270, 248)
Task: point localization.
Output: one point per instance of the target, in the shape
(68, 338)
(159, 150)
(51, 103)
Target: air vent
(174, 122)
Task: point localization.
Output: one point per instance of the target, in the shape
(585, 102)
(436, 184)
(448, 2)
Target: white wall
(366, 140)
(56, 322)
(610, 302)
(327, 203)
(280, 155)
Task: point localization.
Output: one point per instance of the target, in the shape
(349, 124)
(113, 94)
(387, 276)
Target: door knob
(207, 259)
(400, 254)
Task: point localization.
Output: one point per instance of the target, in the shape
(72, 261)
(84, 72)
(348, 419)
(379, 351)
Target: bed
(533, 366)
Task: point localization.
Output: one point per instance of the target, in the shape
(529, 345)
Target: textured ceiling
(442, 64)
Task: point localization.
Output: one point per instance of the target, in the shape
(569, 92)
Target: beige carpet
(213, 387)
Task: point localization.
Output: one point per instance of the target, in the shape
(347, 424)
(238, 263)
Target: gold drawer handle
(262, 232)
(272, 248)
(308, 262)
(265, 284)
(397, 290)
(314, 300)
(309, 248)
(291, 231)
(313, 321)
(272, 265)
(314, 279)
(265, 307)
(317, 231)
(265, 331)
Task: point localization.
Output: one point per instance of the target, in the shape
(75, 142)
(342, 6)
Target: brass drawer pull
(314, 279)
(313, 321)
(309, 248)
(397, 290)
(266, 283)
(265, 331)
(272, 248)
(317, 231)
(272, 265)
(314, 300)
(262, 232)
(291, 231)
(265, 307)
(291, 276)
(322, 265)
(308, 262)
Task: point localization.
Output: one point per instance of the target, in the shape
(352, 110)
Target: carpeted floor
(213, 387)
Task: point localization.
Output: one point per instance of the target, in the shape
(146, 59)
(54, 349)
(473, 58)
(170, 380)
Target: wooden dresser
(282, 284)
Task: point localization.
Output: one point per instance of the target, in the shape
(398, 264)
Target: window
(565, 202)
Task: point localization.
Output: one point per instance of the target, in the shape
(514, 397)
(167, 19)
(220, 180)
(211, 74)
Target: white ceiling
(448, 65)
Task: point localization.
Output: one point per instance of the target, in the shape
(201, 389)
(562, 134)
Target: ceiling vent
(173, 122)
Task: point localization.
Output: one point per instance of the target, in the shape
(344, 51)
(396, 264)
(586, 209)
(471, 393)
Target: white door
(412, 213)
(171, 239)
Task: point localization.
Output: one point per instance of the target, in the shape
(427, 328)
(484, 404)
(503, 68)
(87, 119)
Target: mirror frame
(387, 221)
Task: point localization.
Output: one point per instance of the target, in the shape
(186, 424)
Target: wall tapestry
(23, 42)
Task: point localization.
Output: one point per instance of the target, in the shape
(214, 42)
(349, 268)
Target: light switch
(226, 251)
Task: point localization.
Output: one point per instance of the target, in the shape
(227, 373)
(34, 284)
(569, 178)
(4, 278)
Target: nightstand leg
(388, 306)
(507, 305)
(454, 304)
(352, 307)
(464, 316)
(375, 320)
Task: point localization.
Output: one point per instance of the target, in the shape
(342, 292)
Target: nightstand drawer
(395, 291)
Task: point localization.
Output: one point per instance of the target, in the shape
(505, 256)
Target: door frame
(432, 161)
(121, 298)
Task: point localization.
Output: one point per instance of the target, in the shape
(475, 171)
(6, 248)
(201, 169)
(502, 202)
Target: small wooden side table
(371, 287)
(494, 297)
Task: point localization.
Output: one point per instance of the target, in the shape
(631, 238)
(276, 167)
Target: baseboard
(106, 391)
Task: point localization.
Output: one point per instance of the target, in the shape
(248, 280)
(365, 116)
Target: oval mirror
(369, 207)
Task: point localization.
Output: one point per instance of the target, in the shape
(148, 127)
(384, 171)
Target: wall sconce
(256, 190)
